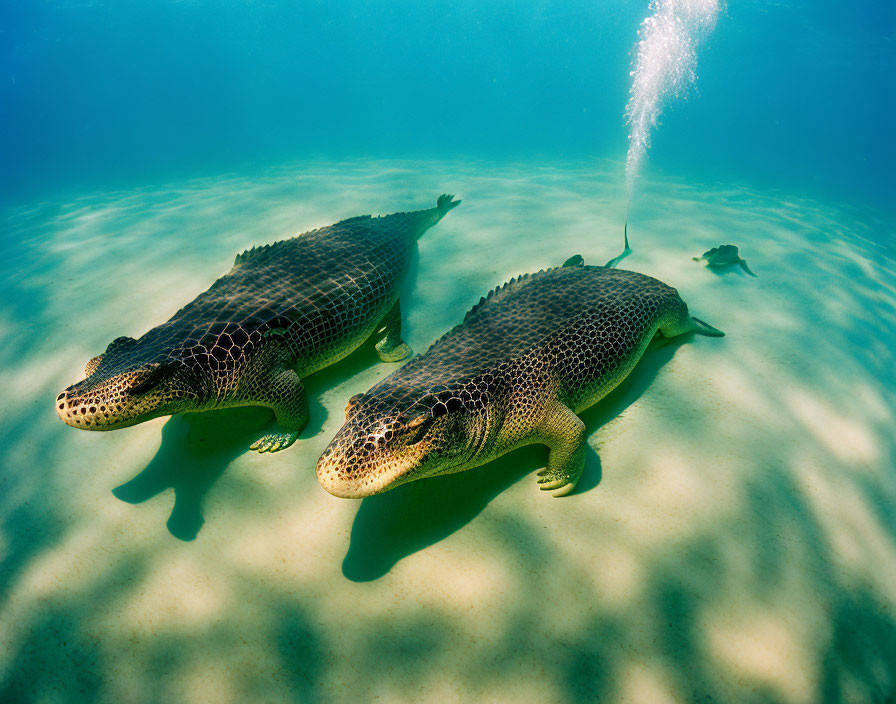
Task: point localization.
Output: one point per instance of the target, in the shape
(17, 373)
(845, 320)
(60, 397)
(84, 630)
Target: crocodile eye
(418, 421)
(416, 430)
(147, 379)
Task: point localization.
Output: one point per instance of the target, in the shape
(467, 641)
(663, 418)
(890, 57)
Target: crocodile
(523, 363)
(284, 311)
(722, 256)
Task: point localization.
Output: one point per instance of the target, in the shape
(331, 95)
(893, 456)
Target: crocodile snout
(352, 467)
(336, 476)
(90, 409)
(78, 411)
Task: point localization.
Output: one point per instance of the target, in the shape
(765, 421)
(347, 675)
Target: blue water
(732, 538)
(796, 95)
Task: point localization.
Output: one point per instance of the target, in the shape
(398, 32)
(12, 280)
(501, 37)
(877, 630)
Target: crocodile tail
(702, 328)
(743, 265)
(446, 202)
(434, 215)
(628, 250)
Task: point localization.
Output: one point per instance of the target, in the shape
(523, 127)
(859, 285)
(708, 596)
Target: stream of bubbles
(664, 69)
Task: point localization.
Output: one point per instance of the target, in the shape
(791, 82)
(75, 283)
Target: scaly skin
(516, 371)
(284, 311)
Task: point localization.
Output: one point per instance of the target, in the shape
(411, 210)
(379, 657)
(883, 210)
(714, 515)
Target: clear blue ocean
(791, 95)
(733, 536)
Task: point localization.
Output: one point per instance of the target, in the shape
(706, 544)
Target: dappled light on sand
(732, 538)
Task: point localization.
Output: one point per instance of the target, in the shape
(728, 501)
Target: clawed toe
(564, 490)
(560, 485)
(548, 484)
(563, 486)
(274, 442)
(396, 354)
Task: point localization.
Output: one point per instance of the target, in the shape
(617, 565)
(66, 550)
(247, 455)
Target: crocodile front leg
(564, 434)
(389, 345)
(286, 396)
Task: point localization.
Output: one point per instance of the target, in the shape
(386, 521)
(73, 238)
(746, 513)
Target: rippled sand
(733, 538)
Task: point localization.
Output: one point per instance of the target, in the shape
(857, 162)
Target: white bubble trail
(665, 68)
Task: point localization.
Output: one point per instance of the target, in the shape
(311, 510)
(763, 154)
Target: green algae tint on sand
(731, 538)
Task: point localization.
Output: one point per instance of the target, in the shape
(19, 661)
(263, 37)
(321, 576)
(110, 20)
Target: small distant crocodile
(283, 311)
(722, 256)
(524, 361)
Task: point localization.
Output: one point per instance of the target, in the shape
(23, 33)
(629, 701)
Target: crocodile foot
(393, 354)
(561, 483)
(274, 442)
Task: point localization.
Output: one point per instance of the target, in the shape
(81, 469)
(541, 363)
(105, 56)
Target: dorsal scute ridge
(357, 218)
(255, 251)
(249, 253)
(487, 297)
(498, 289)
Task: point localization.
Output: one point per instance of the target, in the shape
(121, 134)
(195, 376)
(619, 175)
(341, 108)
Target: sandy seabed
(733, 538)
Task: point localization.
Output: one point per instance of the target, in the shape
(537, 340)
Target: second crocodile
(516, 371)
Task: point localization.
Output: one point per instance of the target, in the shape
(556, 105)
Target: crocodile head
(385, 443)
(127, 385)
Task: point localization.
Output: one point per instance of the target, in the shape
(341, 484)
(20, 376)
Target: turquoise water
(733, 537)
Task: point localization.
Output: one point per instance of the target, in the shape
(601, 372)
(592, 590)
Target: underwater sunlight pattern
(732, 538)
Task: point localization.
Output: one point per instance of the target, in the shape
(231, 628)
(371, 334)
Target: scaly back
(311, 289)
(537, 309)
(281, 283)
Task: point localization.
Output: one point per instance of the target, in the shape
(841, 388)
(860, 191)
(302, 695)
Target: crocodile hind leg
(564, 434)
(678, 322)
(389, 345)
(285, 395)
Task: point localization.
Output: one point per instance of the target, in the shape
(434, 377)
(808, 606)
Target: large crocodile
(283, 311)
(524, 361)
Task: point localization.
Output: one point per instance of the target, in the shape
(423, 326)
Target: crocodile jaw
(342, 473)
(96, 410)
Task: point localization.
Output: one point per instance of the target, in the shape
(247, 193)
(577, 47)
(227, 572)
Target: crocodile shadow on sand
(392, 526)
(197, 448)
